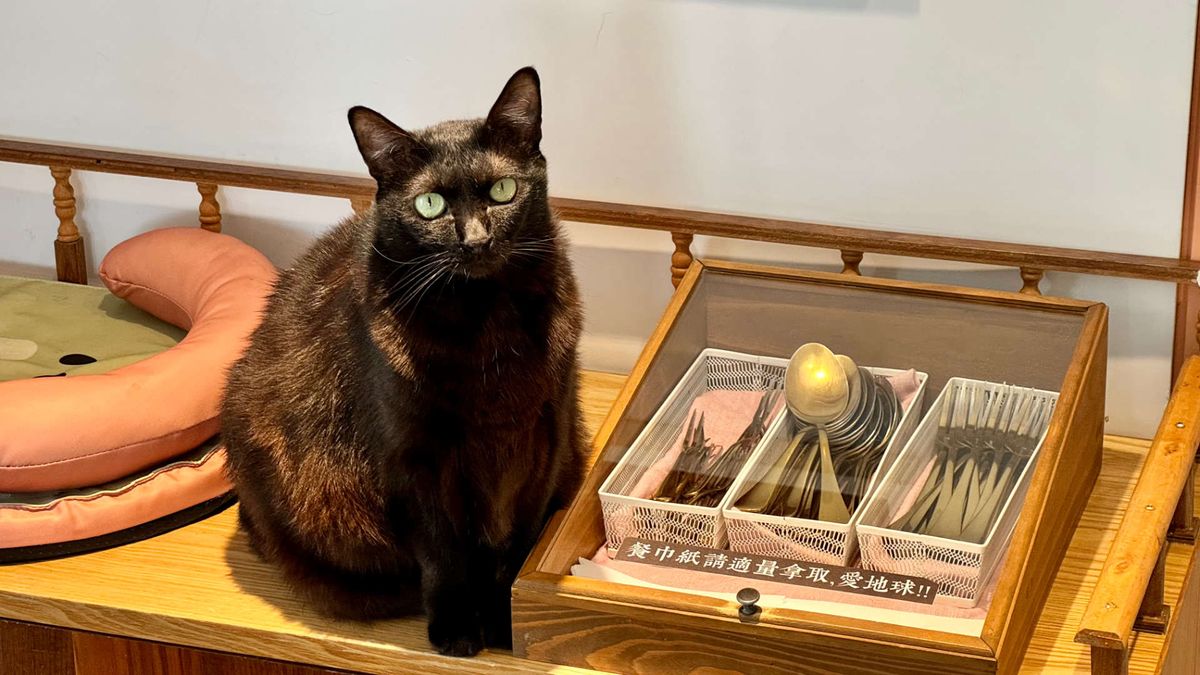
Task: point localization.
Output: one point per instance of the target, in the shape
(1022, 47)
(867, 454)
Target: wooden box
(1048, 343)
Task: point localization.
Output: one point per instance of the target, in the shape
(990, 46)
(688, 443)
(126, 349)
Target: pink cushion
(64, 432)
(158, 494)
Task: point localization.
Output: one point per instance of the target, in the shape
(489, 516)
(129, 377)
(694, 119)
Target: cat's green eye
(503, 190)
(430, 205)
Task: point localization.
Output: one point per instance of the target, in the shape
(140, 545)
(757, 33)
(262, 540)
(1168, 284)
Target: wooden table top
(200, 586)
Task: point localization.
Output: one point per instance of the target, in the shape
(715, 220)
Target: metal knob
(749, 610)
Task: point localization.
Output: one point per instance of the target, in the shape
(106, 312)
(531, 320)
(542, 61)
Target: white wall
(1050, 122)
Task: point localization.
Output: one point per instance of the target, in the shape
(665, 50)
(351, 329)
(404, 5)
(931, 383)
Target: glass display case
(1028, 374)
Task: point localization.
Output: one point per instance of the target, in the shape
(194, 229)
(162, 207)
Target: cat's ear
(389, 151)
(515, 120)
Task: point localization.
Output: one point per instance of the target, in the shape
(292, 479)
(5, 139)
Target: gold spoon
(818, 392)
(817, 388)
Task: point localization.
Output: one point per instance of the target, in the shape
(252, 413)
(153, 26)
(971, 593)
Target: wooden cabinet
(31, 649)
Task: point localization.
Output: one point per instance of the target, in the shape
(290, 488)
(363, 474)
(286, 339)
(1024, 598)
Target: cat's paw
(455, 638)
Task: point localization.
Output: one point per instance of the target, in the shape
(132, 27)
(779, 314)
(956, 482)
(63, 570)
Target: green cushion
(52, 328)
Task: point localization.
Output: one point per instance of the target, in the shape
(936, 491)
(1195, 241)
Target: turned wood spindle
(681, 259)
(1030, 278)
(68, 245)
(850, 262)
(210, 209)
(360, 204)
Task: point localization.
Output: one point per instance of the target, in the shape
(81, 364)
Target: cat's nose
(475, 246)
(475, 236)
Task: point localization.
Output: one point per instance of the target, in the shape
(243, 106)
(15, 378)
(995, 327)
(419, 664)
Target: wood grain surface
(649, 646)
(26, 649)
(103, 655)
(200, 586)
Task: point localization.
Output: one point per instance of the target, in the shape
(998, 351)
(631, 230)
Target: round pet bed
(110, 443)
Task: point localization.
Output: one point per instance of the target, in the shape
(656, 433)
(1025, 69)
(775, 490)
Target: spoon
(818, 392)
(816, 384)
(852, 379)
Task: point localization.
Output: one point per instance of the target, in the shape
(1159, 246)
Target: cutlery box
(1051, 344)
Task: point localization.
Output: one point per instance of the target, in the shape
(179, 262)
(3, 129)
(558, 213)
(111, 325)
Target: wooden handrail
(864, 240)
(186, 169)
(678, 221)
(1137, 549)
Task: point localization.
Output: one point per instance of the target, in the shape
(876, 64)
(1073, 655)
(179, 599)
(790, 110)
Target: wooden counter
(201, 587)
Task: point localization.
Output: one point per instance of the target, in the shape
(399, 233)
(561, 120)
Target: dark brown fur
(406, 417)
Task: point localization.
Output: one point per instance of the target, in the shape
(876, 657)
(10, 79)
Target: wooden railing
(1130, 592)
(1031, 261)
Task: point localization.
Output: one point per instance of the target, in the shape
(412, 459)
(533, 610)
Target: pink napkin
(905, 385)
(726, 414)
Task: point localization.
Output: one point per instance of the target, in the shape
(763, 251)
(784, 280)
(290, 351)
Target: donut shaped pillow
(70, 432)
(40, 525)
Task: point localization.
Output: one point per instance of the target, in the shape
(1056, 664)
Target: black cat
(405, 418)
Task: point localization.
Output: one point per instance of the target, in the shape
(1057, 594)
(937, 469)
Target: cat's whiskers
(530, 254)
(414, 261)
(535, 249)
(445, 275)
(550, 244)
(449, 280)
(417, 293)
(406, 290)
(402, 267)
(440, 275)
(414, 276)
(538, 240)
(413, 292)
(418, 288)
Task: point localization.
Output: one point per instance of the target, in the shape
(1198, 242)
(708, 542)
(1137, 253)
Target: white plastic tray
(803, 538)
(961, 569)
(626, 516)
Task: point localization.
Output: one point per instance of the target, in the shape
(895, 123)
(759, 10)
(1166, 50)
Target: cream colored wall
(1048, 122)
